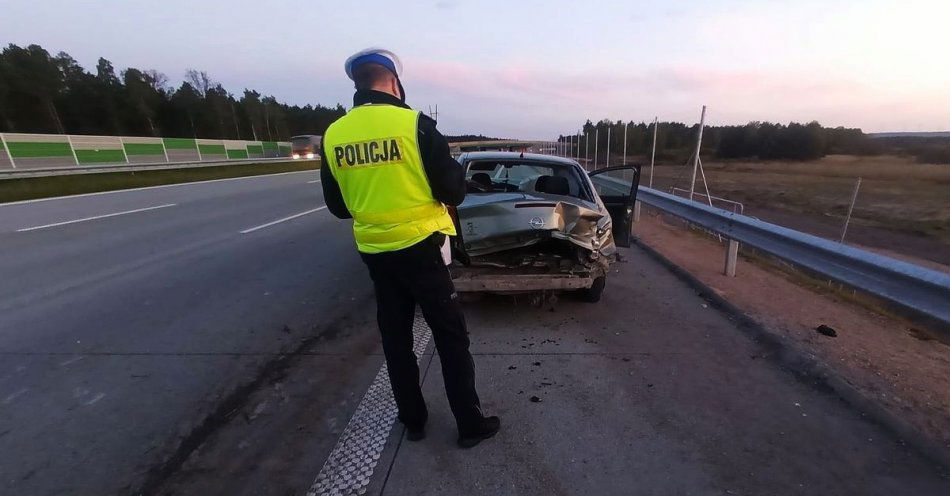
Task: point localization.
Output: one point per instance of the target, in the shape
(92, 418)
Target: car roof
(498, 155)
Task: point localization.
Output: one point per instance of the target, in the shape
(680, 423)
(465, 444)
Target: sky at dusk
(535, 69)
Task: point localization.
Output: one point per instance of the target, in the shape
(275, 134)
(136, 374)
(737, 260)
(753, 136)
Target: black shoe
(416, 434)
(489, 427)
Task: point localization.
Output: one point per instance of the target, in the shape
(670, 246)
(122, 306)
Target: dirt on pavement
(896, 363)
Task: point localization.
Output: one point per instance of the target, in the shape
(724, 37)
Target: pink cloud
(559, 100)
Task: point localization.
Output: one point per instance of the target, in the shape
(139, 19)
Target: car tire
(594, 292)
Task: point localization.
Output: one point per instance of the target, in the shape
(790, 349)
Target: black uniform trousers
(402, 279)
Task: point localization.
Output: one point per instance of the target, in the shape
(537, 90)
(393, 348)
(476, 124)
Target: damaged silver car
(539, 222)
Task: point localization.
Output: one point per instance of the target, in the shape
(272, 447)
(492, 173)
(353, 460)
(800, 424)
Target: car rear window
(517, 176)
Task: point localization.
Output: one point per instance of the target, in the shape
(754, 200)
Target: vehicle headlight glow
(309, 155)
(295, 156)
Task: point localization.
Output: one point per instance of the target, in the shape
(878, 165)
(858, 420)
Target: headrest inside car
(553, 185)
(482, 178)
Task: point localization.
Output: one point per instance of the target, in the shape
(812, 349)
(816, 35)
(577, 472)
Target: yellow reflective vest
(373, 153)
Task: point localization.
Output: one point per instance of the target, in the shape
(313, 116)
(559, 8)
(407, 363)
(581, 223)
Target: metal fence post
(732, 254)
(6, 147)
(164, 150)
(636, 211)
(586, 150)
(847, 220)
(608, 147)
(653, 154)
(699, 144)
(625, 143)
(70, 141)
(596, 142)
(122, 145)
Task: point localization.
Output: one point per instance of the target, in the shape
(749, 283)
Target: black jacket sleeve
(331, 190)
(446, 177)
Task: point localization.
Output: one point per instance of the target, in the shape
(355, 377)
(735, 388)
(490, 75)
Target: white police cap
(379, 56)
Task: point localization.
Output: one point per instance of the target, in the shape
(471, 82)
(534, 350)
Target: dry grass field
(903, 207)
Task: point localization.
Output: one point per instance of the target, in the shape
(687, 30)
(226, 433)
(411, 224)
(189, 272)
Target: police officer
(389, 169)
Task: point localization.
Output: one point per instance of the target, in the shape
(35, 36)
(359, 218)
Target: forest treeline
(756, 140)
(43, 93)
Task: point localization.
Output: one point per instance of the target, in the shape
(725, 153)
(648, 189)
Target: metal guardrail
(922, 291)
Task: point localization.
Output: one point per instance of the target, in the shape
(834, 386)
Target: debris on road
(536, 364)
(512, 367)
(826, 331)
(535, 399)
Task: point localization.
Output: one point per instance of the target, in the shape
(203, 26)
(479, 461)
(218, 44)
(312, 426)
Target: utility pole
(699, 144)
(653, 155)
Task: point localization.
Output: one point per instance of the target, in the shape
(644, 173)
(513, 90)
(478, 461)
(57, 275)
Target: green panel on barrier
(284, 151)
(255, 150)
(99, 156)
(180, 144)
(211, 149)
(269, 146)
(1, 145)
(34, 149)
(237, 154)
(144, 149)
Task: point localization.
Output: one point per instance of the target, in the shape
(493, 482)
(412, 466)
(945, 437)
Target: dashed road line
(285, 219)
(10, 398)
(96, 217)
(95, 399)
(315, 181)
(71, 361)
(349, 468)
(98, 193)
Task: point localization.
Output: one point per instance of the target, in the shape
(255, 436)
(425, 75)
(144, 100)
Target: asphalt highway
(129, 318)
(125, 317)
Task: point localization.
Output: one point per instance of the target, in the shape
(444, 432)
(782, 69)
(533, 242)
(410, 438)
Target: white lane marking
(350, 466)
(8, 399)
(311, 182)
(71, 361)
(285, 219)
(95, 217)
(95, 399)
(259, 176)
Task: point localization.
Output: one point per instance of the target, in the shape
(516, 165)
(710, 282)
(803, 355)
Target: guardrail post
(732, 254)
(636, 211)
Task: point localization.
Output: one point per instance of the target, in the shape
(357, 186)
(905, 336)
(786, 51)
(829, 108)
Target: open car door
(617, 188)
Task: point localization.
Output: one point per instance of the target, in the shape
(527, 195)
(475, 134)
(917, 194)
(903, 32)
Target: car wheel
(593, 293)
